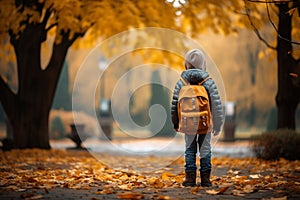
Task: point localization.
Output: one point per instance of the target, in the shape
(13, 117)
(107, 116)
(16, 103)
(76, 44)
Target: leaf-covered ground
(60, 174)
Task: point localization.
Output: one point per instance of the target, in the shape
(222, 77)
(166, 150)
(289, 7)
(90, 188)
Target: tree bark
(28, 110)
(29, 114)
(288, 94)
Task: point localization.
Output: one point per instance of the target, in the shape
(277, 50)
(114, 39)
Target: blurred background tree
(140, 106)
(161, 96)
(62, 97)
(57, 129)
(286, 13)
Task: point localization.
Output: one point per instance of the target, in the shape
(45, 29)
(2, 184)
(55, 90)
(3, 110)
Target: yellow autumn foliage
(106, 18)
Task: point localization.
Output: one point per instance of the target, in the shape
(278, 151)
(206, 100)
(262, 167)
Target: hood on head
(196, 58)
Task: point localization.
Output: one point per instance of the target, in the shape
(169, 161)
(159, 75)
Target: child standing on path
(195, 73)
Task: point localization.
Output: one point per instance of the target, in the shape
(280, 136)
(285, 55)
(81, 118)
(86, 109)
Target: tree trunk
(28, 110)
(29, 116)
(30, 124)
(288, 94)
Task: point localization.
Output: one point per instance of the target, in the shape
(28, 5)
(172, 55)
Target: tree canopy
(105, 18)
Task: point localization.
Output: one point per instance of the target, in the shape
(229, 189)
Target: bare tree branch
(255, 29)
(51, 26)
(269, 17)
(46, 17)
(276, 29)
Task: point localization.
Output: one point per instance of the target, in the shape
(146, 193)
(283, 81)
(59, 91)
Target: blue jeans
(192, 143)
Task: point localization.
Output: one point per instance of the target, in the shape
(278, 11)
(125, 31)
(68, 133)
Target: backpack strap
(204, 80)
(185, 82)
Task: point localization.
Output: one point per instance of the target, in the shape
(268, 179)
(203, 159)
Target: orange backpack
(194, 109)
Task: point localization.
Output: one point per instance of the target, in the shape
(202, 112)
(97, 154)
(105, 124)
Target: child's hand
(215, 133)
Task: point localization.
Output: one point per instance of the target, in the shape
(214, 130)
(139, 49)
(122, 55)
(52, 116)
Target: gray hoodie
(194, 76)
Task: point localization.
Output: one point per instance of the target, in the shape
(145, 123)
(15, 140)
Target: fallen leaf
(219, 191)
(163, 197)
(237, 193)
(130, 196)
(31, 196)
(166, 175)
(254, 176)
(157, 183)
(195, 190)
(125, 187)
(35, 197)
(236, 172)
(248, 189)
(106, 191)
(21, 190)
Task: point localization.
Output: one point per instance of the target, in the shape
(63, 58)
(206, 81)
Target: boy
(195, 73)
